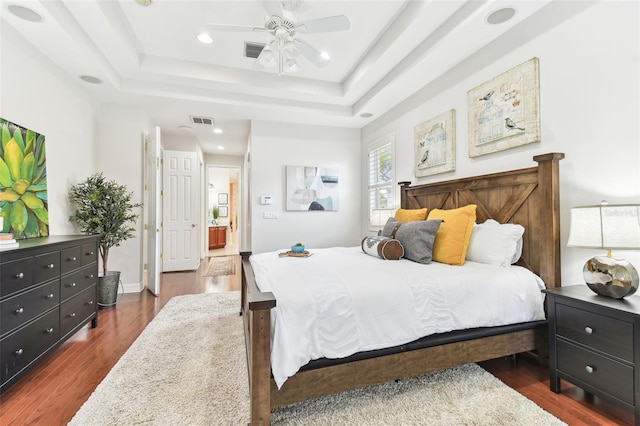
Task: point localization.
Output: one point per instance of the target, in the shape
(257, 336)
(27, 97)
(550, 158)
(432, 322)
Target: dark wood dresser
(591, 344)
(48, 290)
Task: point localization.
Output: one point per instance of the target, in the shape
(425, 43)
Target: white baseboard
(132, 287)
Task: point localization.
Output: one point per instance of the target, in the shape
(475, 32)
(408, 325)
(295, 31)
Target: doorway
(222, 235)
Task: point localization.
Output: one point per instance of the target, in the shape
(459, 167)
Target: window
(381, 181)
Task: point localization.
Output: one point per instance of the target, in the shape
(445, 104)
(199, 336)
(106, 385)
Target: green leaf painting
(23, 182)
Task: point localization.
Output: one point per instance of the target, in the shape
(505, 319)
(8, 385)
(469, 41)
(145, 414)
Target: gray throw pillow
(416, 237)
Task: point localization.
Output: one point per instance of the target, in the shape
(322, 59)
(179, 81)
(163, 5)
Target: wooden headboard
(529, 197)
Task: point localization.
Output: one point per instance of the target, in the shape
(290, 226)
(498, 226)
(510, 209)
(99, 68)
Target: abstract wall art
(312, 188)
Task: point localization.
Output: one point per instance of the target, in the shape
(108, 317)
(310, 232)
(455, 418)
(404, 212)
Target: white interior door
(180, 211)
(155, 207)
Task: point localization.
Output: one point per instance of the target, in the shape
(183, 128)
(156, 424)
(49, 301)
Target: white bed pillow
(495, 243)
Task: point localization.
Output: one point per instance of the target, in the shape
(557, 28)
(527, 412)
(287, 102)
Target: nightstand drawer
(609, 376)
(609, 335)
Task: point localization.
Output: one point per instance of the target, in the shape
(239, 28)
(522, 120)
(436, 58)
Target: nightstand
(591, 344)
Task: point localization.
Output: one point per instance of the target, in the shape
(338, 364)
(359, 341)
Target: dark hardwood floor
(53, 391)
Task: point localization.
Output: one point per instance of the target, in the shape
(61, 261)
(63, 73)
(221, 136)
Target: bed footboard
(256, 311)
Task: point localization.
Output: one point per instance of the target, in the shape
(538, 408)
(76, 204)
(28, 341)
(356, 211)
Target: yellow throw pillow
(454, 234)
(410, 215)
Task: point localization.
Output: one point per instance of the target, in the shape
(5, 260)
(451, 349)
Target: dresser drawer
(609, 335)
(46, 266)
(15, 276)
(24, 307)
(612, 377)
(70, 259)
(19, 349)
(89, 253)
(77, 310)
(76, 282)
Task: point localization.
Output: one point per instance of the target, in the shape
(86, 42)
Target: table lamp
(609, 227)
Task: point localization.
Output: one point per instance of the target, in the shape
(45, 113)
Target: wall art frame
(223, 198)
(223, 211)
(24, 199)
(435, 145)
(504, 112)
(311, 188)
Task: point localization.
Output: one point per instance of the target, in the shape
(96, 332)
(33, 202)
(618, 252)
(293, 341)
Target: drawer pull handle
(49, 330)
(50, 296)
(72, 285)
(90, 276)
(19, 352)
(19, 311)
(20, 276)
(588, 330)
(73, 259)
(90, 302)
(590, 369)
(89, 253)
(51, 266)
(72, 314)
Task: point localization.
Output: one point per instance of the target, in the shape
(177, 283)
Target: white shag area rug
(188, 367)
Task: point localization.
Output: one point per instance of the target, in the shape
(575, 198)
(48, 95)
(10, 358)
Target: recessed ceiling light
(220, 147)
(90, 79)
(25, 13)
(366, 115)
(325, 55)
(184, 128)
(501, 15)
(217, 130)
(143, 2)
(205, 38)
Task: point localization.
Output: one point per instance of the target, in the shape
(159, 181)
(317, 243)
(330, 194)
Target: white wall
(589, 101)
(36, 94)
(81, 138)
(276, 145)
(120, 158)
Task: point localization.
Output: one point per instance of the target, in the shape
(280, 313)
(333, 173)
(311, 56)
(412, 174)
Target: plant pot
(108, 288)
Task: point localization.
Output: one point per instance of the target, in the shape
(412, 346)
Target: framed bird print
(504, 112)
(435, 143)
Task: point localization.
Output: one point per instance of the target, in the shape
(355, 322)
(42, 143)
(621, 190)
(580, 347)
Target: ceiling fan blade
(312, 54)
(239, 28)
(325, 25)
(273, 7)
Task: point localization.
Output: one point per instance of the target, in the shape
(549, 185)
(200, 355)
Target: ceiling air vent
(252, 50)
(205, 121)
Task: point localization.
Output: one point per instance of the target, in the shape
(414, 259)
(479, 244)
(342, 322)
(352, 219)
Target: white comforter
(340, 301)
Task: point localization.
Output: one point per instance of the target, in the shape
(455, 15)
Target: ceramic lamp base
(610, 277)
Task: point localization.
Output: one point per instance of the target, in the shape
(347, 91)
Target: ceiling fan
(285, 46)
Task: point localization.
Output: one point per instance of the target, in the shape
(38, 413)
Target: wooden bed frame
(529, 197)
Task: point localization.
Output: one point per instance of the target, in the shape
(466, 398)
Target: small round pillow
(386, 248)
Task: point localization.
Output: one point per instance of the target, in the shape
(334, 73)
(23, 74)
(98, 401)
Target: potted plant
(216, 212)
(104, 207)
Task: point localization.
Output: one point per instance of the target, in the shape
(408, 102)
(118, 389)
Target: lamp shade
(605, 226)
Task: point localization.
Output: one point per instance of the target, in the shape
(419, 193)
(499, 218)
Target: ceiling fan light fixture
(267, 59)
(291, 65)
